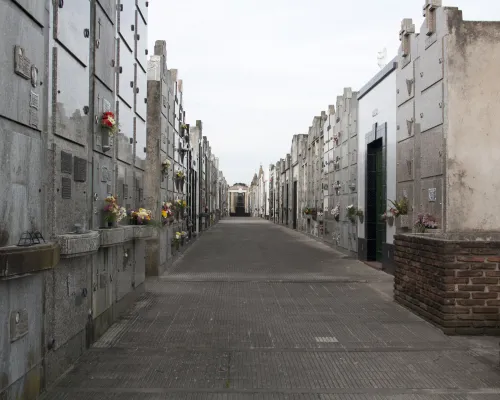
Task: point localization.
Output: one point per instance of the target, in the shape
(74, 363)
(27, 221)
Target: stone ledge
(143, 232)
(16, 260)
(122, 234)
(73, 245)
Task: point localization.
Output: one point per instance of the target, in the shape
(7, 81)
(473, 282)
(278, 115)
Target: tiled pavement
(254, 311)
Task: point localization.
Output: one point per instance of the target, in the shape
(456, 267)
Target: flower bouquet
(140, 217)
(336, 213)
(400, 207)
(108, 121)
(165, 166)
(113, 212)
(353, 212)
(180, 206)
(424, 222)
(167, 213)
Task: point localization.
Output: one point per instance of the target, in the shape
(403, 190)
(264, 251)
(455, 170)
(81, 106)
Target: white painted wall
(382, 98)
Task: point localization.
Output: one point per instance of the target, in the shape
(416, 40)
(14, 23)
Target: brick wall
(451, 282)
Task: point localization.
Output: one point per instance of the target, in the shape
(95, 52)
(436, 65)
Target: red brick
(456, 295)
(486, 251)
(485, 281)
(472, 259)
(472, 288)
(484, 295)
(476, 302)
(482, 266)
(493, 303)
(454, 310)
(492, 273)
(469, 273)
(485, 310)
(495, 259)
(450, 279)
(494, 288)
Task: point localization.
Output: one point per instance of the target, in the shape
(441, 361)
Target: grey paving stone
(254, 311)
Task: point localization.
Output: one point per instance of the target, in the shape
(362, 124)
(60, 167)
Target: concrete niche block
(127, 74)
(125, 138)
(105, 58)
(104, 101)
(405, 127)
(72, 98)
(405, 190)
(109, 7)
(124, 270)
(429, 108)
(73, 28)
(142, 42)
(431, 198)
(22, 65)
(127, 22)
(141, 143)
(141, 92)
(432, 155)
(20, 200)
(405, 166)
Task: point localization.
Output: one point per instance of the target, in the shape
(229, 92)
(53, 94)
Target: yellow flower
(164, 214)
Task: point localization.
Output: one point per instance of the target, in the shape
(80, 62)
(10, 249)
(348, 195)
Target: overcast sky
(256, 72)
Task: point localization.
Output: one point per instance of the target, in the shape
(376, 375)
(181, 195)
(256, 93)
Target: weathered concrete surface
(257, 311)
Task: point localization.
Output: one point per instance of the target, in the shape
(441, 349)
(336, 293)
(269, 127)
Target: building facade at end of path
(400, 172)
(86, 116)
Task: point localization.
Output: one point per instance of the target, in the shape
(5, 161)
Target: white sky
(256, 72)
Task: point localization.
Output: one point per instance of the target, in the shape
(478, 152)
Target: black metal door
(295, 205)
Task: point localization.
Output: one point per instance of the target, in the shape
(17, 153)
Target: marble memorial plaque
(33, 118)
(66, 163)
(22, 64)
(80, 169)
(432, 194)
(34, 100)
(66, 188)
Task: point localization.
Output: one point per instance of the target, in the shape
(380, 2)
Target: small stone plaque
(66, 188)
(432, 194)
(80, 169)
(108, 188)
(18, 324)
(105, 175)
(22, 64)
(66, 163)
(34, 100)
(125, 191)
(34, 118)
(106, 105)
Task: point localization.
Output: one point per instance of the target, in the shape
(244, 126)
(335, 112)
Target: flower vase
(111, 224)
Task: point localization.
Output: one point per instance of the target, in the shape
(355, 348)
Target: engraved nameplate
(34, 100)
(432, 194)
(125, 191)
(34, 118)
(105, 174)
(80, 169)
(22, 64)
(66, 163)
(66, 188)
(108, 188)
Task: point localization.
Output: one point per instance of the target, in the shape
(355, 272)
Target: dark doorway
(287, 203)
(294, 205)
(240, 205)
(375, 200)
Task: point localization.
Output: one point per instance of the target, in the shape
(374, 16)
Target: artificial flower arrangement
(167, 213)
(179, 175)
(114, 213)
(400, 207)
(424, 222)
(141, 216)
(108, 121)
(165, 165)
(336, 212)
(179, 207)
(353, 212)
(307, 211)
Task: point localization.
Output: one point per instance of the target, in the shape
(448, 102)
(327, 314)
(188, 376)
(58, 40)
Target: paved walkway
(257, 311)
